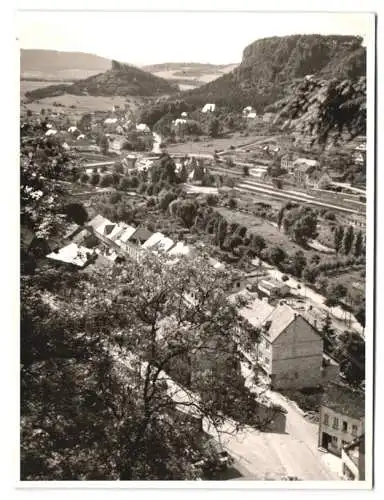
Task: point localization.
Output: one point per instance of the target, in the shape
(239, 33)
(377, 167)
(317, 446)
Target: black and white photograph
(196, 248)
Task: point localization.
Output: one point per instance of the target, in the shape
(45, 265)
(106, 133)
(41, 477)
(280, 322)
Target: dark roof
(344, 400)
(142, 234)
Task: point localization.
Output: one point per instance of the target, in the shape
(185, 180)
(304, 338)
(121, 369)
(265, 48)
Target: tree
(278, 183)
(299, 262)
(221, 231)
(106, 180)
(301, 224)
(124, 184)
(310, 273)
(232, 203)
(338, 238)
(214, 127)
(350, 353)
(96, 395)
(257, 243)
(358, 243)
(280, 216)
(166, 199)
(347, 241)
(335, 292)
(84, 178)
(328, 334)
(104, 144)
(76, 212)
(95, 179)
(275, 255)
(119, 169)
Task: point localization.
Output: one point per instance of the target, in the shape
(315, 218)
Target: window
(266, 360)
(334, 440)
(326, 419)
(345, 426)
(267, 346)
(335, 423)
(354, 430)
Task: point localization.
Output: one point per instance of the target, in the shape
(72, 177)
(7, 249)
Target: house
(303, 169)
(119, 143)
(50, 132)
(158, 242)
(342, 419)
(72, 254)
(290, 351)
(129, 163)
(140, 236)
(273, 288)
(353, 459)
(142, 127)
(208, 108)
(249, 112)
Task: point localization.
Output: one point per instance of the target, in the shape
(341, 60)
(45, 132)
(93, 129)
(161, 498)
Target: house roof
(306, 162)
(142, 234)
(255, 311)
(270, 284)
(275, 319)
(153, 240)
(97, 221)
(117, 231)
(279, 319)
(72, 254)
(180, 249)
(344, 400)
(125, 235)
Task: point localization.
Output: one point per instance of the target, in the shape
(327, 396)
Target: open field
(270, 233)
(28, 85)
(83, 104)
(208, 145)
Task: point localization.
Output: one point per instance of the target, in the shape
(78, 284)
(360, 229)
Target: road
(294, 453)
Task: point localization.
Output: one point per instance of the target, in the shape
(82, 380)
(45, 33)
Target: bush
(232, 203)
(106, 180)
(151, 202)
(95, 178)
(212, 200)
(284, 277)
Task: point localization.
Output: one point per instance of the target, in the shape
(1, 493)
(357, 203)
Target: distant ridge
(58, 65)
(270, 65)
(119, 80)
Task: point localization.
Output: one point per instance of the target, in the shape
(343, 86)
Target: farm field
(83, 104)
(208, 145)
(270, 233)
(28, 85)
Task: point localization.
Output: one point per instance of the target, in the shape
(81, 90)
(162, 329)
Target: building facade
(341, 417)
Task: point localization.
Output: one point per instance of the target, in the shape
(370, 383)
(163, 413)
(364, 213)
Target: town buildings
(341, 417)
(290, 351)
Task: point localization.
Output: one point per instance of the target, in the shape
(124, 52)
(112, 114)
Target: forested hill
(120, 80)
(270, 64)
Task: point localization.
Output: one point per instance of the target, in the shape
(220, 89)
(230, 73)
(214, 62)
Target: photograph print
(195, 237)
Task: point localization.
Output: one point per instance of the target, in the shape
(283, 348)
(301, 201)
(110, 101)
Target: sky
(146, 38)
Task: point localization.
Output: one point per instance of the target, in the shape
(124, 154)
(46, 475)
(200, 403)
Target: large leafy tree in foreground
(97, 401)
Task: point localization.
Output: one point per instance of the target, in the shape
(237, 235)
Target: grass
(83, 104)
(271, 234)
(208, 145)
